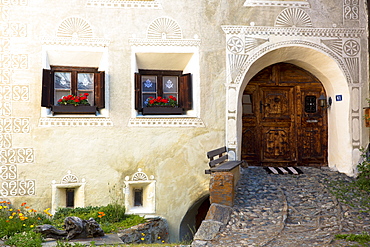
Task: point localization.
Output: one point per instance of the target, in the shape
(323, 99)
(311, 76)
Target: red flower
(159, 101)
(86, 94)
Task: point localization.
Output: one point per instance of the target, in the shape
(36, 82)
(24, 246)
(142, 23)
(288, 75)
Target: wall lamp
(323, 102)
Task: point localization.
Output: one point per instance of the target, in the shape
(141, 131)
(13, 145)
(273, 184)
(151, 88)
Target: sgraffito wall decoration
(293, 27)
(13, 157)
(148, 4)
(351, 9)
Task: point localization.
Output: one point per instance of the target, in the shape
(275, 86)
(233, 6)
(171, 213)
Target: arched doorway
(283, 123)
(193, 218)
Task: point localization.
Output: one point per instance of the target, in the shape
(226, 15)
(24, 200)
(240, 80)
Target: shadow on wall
(193, 218)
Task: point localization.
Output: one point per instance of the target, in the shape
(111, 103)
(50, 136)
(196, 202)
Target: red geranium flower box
(71, 109)
(162, 110)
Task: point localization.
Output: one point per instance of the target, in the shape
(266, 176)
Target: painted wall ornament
(235, 45)
(351, 47)
(351, 9)
(164, 28)
(277, 3)
(335, 45)
(151, 4)
(293, 17)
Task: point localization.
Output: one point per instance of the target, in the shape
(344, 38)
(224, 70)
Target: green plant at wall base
(68, 244)
(17, 224)
(83, 213)
(25, 239)
(18, 220)
(111, 217)
(363, 239)
(363, 179)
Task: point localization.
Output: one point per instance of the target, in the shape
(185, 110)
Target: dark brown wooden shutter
(185, 92)
(100, 89)
(138, 105)
(47, 88)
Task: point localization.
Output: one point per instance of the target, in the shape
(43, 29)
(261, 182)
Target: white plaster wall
(37, 148)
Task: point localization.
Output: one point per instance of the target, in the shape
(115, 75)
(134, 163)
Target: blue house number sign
(338, 97)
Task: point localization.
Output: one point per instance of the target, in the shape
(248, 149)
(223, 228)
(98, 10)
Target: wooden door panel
(277, 144)
(277, 124)
(250, 144)
(312, 132)
(312, 149)
(285, 126)
(276, 103)
(291, 73)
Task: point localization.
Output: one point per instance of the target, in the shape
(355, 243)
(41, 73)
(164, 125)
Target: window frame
(48, 89)
(184, 91)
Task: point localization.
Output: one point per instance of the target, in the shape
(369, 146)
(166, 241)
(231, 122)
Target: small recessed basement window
(138, 197)
(70, 198)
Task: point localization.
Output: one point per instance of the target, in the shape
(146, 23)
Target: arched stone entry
(345, 131)
(283, 121)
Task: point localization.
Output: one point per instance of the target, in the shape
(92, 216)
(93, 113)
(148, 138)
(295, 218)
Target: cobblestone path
(289, 210)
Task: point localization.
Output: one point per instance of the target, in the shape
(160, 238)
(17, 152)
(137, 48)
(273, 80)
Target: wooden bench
(219, 161)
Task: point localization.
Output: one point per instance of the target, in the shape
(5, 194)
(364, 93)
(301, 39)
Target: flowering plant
(159, 101)
(74, 100)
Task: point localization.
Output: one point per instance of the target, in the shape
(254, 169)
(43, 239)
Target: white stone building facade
(119, 152)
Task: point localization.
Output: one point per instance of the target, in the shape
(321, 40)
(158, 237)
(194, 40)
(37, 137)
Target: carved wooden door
(282, 122)
(277, 125)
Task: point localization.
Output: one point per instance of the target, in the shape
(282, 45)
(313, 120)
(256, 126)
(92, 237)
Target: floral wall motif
(12, 91)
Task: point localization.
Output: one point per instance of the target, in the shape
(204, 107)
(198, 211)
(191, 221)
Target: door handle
(263, 105)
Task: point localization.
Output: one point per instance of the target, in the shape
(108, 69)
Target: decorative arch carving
(164, 28)
(75, 27)
(293, 17)
(69, 178)
(282, 44)
(139, 176)
(335, 45)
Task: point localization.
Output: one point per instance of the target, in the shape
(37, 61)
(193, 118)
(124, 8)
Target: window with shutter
(73, 90)
(162, 92)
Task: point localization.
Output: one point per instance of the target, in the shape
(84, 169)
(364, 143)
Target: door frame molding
(344, 117)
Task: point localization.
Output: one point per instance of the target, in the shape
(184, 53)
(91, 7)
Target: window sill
(166, 121)
(71, 109)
